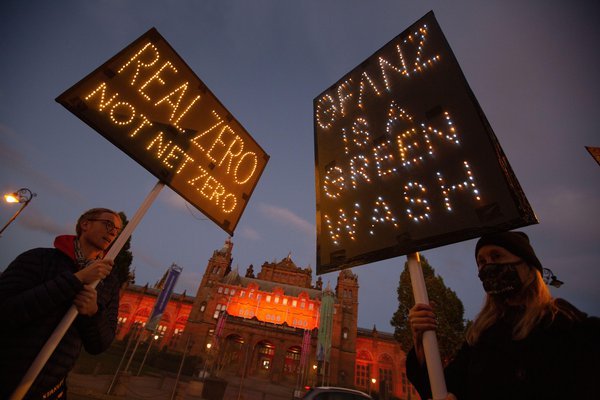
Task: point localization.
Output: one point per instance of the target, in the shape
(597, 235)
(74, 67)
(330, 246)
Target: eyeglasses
(108, 224)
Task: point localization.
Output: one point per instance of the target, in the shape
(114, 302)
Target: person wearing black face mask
(524, 344)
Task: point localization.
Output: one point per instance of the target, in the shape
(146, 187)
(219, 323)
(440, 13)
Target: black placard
(405, 158)
(151, 105)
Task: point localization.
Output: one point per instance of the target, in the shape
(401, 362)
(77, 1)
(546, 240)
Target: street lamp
(207, 355)
(373, 382)
(22, 196)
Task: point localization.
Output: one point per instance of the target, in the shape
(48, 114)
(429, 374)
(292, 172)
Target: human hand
(421, 318)
(449, 396)
(86, 301)
(96, 271)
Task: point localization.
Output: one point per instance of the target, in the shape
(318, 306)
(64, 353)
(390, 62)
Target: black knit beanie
(515, 242)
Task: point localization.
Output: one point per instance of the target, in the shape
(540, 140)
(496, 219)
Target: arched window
(386, 373)
(362, 375)
(292, 360)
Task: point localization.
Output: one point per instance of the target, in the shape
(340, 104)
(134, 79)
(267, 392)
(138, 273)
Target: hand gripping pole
(69, 317)
(430, 345)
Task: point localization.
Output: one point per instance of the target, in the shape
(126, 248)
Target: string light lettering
(344, 93)
(382, 214)
(365, 80)
(149, 50)
(175, 105)
(325, 113)
(468, 184)
(156, 77)
(334, 182)
(149, 103)
(101, 103)
(116, 117)
(416, 203)
(343, 224)
(249, 158)
(412, 48)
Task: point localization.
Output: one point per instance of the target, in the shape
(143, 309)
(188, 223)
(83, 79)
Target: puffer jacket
(560, 359)
(36, 290)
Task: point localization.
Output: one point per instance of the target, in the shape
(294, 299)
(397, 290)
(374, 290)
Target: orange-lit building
(266, 317)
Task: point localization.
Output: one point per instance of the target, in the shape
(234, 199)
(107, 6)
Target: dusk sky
(532, 66)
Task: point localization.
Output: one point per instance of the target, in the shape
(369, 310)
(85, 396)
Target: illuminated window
(285, 301)
(361, 378)
(345, 333)
(268, 298)
(294, 303)
(175, 338)
(311, 306)
(276, 300)
(385, 378)
(203, 307)
(218, 309)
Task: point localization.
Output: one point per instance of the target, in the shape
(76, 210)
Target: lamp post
(22, 196)
(372, 382)
(207, 355)
(156, 337)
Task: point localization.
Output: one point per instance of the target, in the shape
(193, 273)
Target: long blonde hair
(538, 303)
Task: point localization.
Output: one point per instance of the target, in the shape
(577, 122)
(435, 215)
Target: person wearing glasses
(38, 288)
(523, 344)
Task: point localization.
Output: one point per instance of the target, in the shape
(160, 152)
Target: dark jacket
(560, 359)
(36, 290)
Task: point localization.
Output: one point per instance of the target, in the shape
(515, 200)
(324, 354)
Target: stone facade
(257, 325)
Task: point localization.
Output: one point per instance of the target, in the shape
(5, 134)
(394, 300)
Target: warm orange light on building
(259, 326)
(274, 307)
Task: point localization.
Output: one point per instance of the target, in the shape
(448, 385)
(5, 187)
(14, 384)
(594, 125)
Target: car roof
(341, 389)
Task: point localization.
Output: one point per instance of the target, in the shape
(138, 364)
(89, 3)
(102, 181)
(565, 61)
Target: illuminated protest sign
(150, 104)
(405, 157)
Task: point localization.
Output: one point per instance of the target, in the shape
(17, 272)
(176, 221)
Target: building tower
(199, 322)
(345, 323)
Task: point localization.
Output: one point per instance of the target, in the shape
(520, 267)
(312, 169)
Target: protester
(38, 288)
(523, 344)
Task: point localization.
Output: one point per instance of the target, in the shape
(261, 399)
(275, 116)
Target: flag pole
(71, 314)
(430, 344)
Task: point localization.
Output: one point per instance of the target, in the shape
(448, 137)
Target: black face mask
(501, 280)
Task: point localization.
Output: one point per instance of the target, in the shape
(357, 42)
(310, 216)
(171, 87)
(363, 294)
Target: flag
(163, 297)
(325, 325)
(305, 349)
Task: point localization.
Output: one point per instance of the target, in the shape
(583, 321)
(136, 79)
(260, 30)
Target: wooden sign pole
(430, 345)
(69, 317)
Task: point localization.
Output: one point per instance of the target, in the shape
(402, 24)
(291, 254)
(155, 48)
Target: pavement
(156, 387)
